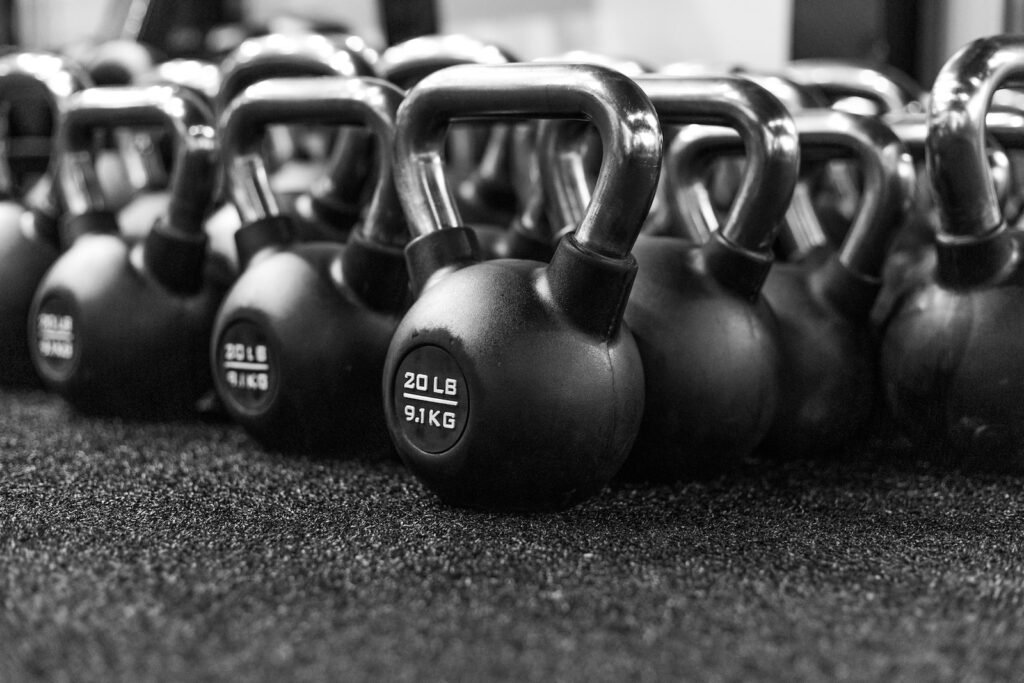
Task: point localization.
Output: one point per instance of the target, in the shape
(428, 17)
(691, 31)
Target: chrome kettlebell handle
(368, 102)
(170, 108)
(611, 101)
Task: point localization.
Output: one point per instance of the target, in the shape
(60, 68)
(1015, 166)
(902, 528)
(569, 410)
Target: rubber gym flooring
(183, 552)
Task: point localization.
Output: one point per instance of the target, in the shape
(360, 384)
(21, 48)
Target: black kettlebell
(708, 340)
(510, 384)
(29, 239)
(121, 329)
(822, 302)
(952, 362)
(299, 343)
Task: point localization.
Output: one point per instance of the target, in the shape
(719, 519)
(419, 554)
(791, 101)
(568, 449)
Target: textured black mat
(182, 552)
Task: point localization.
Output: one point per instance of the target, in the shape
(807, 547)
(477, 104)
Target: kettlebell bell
(29, 239)
(952, 365)
(511, 384)
(708, 340)
(822, 302)
(299, 342)
(121, 329)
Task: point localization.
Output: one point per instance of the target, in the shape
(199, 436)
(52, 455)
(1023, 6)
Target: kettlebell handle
(174, 109)
(888, 176)
(408, 62)
(369, 102)
(56, 78)
(623, 115)
(773, 155)
(842, 79)
(281, 56)
(957, 115)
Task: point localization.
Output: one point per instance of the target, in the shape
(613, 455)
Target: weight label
(246, 367)
(431, 399)
(55, 336)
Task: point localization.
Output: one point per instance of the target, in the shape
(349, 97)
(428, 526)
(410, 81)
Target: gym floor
(184, 552)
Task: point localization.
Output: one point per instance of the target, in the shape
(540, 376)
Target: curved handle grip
(957, 162)
(769, 177)
(201, 76)
(1004, 128)
(408, 62)
(887, 168)
(282, 56)
(618, 108)
(56, 78)
(842, 79)
(368, 102)
(767, 128)
(173, 109)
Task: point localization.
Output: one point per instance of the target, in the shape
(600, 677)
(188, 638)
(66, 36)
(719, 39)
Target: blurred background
(915, 36)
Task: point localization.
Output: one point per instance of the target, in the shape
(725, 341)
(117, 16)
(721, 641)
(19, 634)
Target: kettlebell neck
(850, 293)
(431, 256)
(965, 261)
(742, 271)
(376, 273)
(590, 289)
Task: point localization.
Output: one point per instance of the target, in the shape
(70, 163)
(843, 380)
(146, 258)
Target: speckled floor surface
(183, 552)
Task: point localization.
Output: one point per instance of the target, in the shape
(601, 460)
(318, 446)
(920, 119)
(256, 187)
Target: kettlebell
(708, 340)
(822, 302)
(121, 329)
(952, 368)
(511, 384)
(299, 343)
(29, 239)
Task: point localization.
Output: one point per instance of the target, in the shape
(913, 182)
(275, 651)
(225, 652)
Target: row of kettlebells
(661, 341)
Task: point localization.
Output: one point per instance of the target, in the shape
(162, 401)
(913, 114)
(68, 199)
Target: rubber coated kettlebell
(952, 362)
(708, 340)
(122, 329)
(510, 384)
(822, 302)
(29, 240)
(299, 343)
